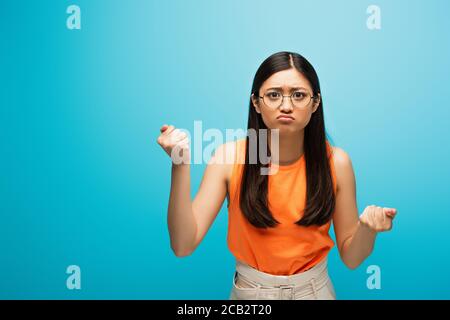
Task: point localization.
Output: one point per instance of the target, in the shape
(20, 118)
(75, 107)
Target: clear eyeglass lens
(299, 99)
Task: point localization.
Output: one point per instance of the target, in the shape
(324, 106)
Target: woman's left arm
(355, 236)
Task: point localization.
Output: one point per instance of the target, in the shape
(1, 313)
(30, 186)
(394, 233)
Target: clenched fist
(377, 218)
(175, 143)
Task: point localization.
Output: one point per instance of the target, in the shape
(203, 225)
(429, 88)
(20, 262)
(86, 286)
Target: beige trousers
(252, 284)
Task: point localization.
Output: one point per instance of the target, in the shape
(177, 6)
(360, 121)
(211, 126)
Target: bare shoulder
(343, 166)
(225, 155)
(340, 156)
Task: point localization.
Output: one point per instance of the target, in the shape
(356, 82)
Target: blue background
(84, 182)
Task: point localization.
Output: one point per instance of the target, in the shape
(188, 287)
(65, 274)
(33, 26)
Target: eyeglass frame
(290, 98)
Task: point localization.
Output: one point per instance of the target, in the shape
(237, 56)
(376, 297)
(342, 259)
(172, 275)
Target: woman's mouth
(285, 119)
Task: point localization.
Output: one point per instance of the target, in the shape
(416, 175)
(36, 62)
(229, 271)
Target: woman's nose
(286, 104)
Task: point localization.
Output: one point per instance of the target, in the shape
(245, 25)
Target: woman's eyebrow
(291, 88)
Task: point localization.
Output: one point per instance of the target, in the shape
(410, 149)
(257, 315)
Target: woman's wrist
(366, 228)
(180, 166)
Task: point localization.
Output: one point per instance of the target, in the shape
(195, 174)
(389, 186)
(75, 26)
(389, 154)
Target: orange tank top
(286, 249)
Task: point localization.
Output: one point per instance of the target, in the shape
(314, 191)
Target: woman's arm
(355, 236)
(188, 221)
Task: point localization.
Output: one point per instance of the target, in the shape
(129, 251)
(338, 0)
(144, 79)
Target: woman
(279, 222)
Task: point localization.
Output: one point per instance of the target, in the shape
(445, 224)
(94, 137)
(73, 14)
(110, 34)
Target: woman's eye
(273, 95)
(299, 95)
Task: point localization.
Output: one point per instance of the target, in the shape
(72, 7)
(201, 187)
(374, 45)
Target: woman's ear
(255, 102)
(316, 101)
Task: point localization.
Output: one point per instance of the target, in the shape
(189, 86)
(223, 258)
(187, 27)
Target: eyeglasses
(299, 99)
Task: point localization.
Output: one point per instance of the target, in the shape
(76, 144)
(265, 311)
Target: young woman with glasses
(279, 223)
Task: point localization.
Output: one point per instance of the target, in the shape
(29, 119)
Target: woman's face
(286, 83)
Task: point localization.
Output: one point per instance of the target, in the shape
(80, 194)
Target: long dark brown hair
(320, 197)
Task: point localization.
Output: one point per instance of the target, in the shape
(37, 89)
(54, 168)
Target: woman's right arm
(189, 221)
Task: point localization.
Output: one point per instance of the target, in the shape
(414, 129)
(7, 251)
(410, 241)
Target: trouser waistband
(298, 284)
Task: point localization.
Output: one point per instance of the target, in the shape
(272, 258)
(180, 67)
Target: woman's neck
(290, 148)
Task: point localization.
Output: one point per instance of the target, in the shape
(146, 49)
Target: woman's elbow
(351, 265)
(351, 262)
(181, 252)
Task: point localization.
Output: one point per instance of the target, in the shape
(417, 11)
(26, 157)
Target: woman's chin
(287, 130)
